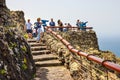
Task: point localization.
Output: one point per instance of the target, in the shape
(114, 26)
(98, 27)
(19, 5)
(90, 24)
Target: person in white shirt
(28, 28)
(40, 29)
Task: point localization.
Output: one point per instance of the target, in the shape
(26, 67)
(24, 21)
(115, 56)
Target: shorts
(29, 31)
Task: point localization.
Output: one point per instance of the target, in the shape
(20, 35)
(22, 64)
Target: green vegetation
(24, 67)
(24, 48)
(26, 36)
(2, 71)
(25, 61)
(12, 45)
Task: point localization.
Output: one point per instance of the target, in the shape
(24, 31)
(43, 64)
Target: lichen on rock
(15, 63)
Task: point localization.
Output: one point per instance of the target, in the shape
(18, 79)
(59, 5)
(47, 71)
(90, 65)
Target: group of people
(39, 27)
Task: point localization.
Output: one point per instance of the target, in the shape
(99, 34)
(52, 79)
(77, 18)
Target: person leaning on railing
(81, 25)
(67, 25)
(52, 24)
(60, 24)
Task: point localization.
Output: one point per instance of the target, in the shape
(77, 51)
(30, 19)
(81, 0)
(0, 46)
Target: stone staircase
(48, 67)
(42, 56)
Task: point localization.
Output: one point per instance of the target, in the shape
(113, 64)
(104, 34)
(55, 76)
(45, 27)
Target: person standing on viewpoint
(52, 24)
(60, 24)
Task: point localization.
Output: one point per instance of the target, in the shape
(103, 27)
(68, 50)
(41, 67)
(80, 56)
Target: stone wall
(16, 62)
(80, 67)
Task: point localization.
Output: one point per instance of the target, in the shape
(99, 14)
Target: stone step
(34, 48)
(36, 44)
(31, 40)
(44, 57)
(41, 52)
(53, 73)
(48, 63)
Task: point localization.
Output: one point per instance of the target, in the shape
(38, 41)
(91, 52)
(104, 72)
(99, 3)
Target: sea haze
(110, 43)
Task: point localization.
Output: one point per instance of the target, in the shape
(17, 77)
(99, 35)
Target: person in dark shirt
(60, 24)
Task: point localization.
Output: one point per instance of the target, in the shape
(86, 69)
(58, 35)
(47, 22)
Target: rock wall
(5, 18)
(11, 18)
(87, 41)
(18, 19)
(16, 62)
(2, 3)
(82, 40)
(80, 67)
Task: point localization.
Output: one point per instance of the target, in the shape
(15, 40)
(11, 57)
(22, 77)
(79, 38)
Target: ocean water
(110, 43)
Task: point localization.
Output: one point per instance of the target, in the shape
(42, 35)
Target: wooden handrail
(107, 64)
(67, 27)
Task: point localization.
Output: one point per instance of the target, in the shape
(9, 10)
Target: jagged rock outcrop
(4, 14)
(11, 18)
(80, 67)
(82, 40)
(2, 3)
(18, 19)
(16, 62)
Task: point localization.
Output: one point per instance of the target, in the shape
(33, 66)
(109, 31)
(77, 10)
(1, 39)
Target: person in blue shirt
(36, 26)
(39, 28)
(81, 25)
(52, 24)
(44, 23)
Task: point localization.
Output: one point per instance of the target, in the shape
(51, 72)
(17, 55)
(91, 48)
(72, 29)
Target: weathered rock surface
(79, 67)
(11, 18)
(16, 61)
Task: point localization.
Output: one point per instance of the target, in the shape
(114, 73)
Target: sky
(102, 15)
